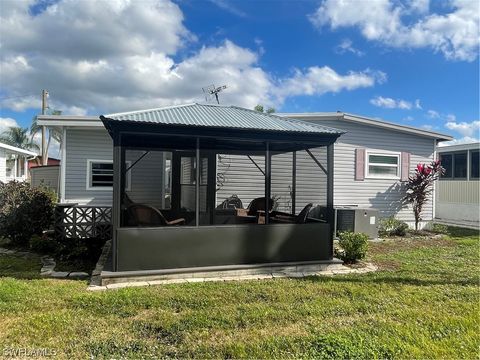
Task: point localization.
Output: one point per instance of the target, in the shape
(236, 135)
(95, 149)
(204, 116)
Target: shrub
(440, 229)
(393, 227)
(419, 187)
(43, 244)
(24, 211)
(79, 254)
(354, 246)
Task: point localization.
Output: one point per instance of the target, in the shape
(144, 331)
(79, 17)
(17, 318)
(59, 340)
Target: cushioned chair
(301, 218)
(146, 215)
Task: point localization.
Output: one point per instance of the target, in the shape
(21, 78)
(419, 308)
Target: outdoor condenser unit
(352, 218)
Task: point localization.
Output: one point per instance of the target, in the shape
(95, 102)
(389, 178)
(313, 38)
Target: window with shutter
(380, 165)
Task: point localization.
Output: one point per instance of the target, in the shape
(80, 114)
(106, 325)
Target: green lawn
(424, 303)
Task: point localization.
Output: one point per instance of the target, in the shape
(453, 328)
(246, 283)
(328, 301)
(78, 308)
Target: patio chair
(301, 218)
(259, 204)
(146, 215)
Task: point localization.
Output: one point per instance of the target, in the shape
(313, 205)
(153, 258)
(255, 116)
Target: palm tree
(52, 133)
(18, 137)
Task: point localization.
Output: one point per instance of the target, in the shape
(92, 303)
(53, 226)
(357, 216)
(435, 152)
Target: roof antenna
(210, 91)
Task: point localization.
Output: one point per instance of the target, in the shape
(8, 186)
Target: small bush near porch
(423, 303)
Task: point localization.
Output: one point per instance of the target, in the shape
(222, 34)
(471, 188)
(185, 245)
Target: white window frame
(382, 176)
(103, 188)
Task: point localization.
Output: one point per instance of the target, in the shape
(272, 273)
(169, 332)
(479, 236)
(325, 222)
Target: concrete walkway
(330, 270)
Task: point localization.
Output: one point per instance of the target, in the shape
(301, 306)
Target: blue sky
(412, 62)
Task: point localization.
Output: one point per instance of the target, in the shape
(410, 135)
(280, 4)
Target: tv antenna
(211, 91)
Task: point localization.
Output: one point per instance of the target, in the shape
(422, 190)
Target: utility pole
(44, 130)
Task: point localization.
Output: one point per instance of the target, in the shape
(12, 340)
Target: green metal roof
(218, 116)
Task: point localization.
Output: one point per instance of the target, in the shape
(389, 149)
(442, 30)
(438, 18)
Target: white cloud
(432, 114)
(319, 80)
(408, 118)
(419, 6)
(455, 34)
(347, 46)
(418, 105)
(451, 118)
(389, 103)
(464, 140)
(466, 129)
(427, 127)
(229, 7)
(135, 60)
(6, 123)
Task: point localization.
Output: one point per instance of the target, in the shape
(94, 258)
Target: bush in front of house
(43, 244)
(354, 246)
(440, 229)
(24, 211)
(79, 254)
(392, 227)
(419, 187)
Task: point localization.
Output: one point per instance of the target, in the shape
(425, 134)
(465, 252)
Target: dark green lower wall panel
(180, 247)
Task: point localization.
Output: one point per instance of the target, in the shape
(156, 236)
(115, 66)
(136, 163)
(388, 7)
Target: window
(474, 164)
(100, 175)
(455, 165)
(447, 163)
(460, 165)
(383, 166)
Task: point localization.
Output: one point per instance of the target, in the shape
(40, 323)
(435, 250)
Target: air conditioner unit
(355, 219)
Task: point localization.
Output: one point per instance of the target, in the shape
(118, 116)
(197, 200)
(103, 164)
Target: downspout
(26, 166)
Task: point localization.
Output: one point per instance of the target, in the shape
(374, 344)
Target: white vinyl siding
(81, 145)
(146, 179)
(384, 195)
(243, 178)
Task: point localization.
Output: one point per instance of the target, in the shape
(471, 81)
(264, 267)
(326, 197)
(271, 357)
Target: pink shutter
(405, 163)
(360, 164)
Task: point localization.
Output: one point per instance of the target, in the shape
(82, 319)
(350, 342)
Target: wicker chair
(259, 204)
(146, 215)
(301, 218)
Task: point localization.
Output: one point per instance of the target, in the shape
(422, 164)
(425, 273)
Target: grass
(423, 303)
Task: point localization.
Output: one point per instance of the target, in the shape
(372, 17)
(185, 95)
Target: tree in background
(260, 108)
(19, 137)
(420, 186)
(52, 133)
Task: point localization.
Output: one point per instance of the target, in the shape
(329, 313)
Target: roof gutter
(368, 121)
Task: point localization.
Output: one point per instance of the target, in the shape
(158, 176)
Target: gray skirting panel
(191, 247)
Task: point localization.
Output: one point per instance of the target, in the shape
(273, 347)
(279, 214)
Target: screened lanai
(204, 186)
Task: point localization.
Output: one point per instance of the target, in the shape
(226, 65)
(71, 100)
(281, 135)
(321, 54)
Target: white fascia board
(16, 150)
(69, 121)
(459, 147)
(367, 121)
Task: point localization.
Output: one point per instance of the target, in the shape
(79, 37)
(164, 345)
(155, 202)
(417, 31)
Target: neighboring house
(46, 176)
(372, 159)
(14, 163)
(458, 191)
(38, 162)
